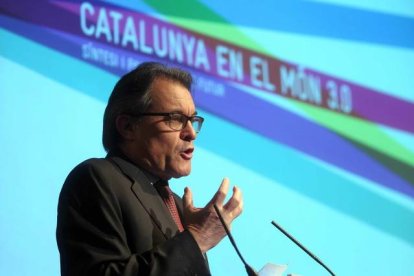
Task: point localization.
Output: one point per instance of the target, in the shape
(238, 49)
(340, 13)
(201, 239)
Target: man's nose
(188, 133)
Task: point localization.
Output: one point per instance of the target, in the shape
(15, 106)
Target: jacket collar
(147, 195)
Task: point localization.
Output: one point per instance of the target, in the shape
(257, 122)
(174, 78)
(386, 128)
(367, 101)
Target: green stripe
(364, 132)
(199, 18)
(334, 187)
(322, 185)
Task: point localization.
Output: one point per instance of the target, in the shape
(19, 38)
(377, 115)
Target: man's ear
(125, 126)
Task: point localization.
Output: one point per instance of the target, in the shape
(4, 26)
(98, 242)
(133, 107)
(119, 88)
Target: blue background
(51, 119)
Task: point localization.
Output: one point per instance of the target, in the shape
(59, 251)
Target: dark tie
(168, 198)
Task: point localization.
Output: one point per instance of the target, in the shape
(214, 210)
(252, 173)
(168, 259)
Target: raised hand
(203, 223)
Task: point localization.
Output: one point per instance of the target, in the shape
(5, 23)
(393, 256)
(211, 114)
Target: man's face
(158, 148)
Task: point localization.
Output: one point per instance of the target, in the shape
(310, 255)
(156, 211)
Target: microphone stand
(249, 269)
(302, 247)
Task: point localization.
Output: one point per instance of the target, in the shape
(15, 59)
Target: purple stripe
(367, 104)
(377, 106)
(384, 109)
(257, 115)
(294, 131)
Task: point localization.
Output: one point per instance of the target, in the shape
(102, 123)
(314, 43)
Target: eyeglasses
(176, 120)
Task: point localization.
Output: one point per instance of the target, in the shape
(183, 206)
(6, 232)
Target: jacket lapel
(148, 196)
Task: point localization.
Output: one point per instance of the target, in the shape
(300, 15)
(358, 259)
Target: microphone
(302, 247)
(249, 269)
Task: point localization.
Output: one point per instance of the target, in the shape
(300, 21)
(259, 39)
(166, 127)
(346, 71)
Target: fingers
(235, 203)
(188, 199)
(221, 193)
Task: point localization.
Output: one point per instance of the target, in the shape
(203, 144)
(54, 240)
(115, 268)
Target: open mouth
(187, 154)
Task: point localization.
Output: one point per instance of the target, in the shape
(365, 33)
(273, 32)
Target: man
(117, 216)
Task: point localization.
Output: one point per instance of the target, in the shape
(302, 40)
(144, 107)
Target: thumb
(188, 199)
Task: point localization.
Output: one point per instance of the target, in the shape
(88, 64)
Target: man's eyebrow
(181, 112)
(195, 113)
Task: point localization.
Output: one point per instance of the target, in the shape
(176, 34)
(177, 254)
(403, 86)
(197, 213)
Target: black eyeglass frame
(192, 119)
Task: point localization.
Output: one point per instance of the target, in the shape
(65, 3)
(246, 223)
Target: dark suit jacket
(111, 221)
